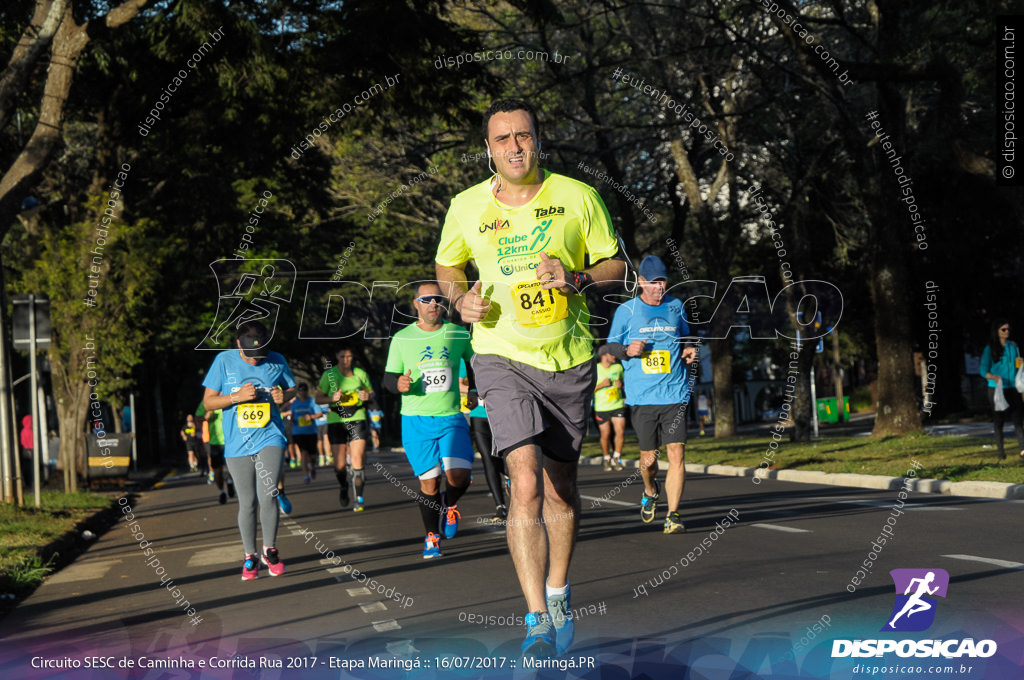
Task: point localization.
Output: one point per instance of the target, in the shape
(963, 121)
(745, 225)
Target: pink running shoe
(250, 568)
(274, 564)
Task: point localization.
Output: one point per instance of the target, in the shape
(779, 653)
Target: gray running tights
(256, 478)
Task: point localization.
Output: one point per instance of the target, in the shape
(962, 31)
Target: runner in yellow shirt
(610, 407)
(538, 240)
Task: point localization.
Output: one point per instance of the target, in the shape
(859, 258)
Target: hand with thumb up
(474, 306)
(405, 382)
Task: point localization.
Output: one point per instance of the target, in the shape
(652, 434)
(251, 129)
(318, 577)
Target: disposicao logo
(914, 610)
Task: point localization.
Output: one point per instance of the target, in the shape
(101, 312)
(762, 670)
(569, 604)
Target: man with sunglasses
(538, 240)
(423, 367)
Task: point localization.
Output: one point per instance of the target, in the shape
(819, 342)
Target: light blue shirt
(659, 376)
(227, 374)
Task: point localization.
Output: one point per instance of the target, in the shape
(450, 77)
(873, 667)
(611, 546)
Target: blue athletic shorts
(433, 440)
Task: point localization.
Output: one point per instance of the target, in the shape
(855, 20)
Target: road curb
(974, 489)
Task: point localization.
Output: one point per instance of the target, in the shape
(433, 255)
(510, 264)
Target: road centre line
(1005, 564)
(779, 527)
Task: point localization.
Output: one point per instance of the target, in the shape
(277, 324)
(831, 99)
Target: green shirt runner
(215, 427)
(349, 408)
(609, 398)
(434, 360)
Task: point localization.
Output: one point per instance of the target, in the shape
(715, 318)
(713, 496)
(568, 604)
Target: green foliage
(121, 258)
(861, 400)
(229, 132)
(24, 531)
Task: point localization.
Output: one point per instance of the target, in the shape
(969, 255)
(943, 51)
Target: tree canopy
(736, 140)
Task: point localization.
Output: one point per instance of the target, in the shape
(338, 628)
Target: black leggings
(493, 466)
(1014, 414)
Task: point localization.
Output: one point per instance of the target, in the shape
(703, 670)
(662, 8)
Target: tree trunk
(837, 367)
(721, 371)
(73, 400)
(888, 235)
(67, 45)
(896, 409)
(801, 412)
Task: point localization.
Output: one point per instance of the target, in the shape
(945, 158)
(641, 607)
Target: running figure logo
(248, 290)
(914, 611)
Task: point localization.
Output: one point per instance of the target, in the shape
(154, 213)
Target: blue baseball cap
(652, 268)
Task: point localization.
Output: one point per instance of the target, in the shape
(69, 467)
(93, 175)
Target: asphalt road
(774, 573)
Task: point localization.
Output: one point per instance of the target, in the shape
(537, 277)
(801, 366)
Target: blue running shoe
(286, 505)
(560, 611)
(648, 505)
(251, 568)
(433, 546)
(450, 521)
(540, 636)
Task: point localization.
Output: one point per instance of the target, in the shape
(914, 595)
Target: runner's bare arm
(607, 272)
(601, 275)
(452, 280)
(213, 400)
(467, 301)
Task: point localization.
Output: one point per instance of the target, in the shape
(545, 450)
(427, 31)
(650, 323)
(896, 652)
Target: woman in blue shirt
(999, 364)
(250, 383)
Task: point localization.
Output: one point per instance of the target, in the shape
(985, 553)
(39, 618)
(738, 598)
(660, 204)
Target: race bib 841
(536, 306)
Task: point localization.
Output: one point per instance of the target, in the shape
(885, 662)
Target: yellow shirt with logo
(566, 219)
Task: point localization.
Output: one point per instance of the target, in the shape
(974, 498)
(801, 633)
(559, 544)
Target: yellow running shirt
(566, 219)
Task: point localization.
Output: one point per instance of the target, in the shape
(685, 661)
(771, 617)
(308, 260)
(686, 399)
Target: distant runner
(305, 411)
(347, 389)
(610, 408)
(213, 423)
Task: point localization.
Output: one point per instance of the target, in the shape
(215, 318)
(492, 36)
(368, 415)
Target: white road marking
(82, 571)
(779, 527)
(1005, 564)
(890, 504)
(356, 592)
(222, 555)
(386, 625)
(598, 502)
(370, 607)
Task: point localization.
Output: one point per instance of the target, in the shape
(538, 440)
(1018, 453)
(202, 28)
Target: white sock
(617, 454)
(549, 591)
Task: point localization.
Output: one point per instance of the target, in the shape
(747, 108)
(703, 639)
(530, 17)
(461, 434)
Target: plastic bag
(1000, 401)
(1019, 382)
